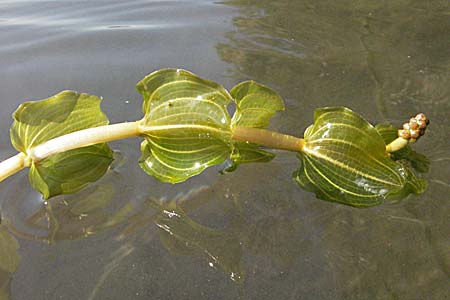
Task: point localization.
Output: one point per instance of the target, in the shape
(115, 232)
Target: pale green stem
(107, 133)
(268, 138)
(83, 138)
(277, 140)
(74, 140)
(397, 144)
(12, 165)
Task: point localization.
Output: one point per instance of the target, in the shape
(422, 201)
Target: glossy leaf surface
(70, 171)
(344, 160)
(66, 112)
(40, 121)
(255, 105)
(247, 153)
(186, 124)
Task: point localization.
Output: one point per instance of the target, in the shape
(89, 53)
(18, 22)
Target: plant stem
(83, 138)
(397, 144)
(73, 140)
(12, 165)
(107, 133)
(268, 138)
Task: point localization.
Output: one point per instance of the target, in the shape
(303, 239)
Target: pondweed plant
(186, 128)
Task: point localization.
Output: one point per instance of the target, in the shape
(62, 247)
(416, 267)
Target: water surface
(253, 233)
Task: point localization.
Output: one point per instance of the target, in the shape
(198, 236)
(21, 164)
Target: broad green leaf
(66, 112)
(418, 161)
(182, 236)
(40, 121)
(70, 171)
(186, 124)
(247, 153)
(344, 160)
(255, 105)
(9, 256)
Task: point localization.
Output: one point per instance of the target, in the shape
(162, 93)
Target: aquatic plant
(186, 128)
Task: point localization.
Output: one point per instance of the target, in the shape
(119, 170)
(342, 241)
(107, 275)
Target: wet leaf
(344, 160)
(247, 153)
(9, 256)
(66, 112)
(255, 105)
(186, 124)
(40, 121)
(68, 172)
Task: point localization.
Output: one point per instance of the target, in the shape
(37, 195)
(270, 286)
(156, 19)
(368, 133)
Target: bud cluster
(415, 128)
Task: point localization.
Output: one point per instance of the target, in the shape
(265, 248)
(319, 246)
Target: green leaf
(66, 112)
(9, 256)
(40, 121)
(247, 153)
(186, 124)
(70, 171)
(418, 161)
(255, 105)
(344, 160)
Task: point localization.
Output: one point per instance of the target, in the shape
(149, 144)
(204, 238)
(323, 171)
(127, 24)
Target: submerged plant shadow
(266, 227)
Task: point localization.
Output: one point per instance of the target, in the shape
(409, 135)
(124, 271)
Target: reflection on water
(387, 61)
(69, 218)
(246, 235)
(9, 260)
(90, 212)
(393, 56)
(250, 234)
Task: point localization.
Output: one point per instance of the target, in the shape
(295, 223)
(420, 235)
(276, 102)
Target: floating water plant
(186, 128)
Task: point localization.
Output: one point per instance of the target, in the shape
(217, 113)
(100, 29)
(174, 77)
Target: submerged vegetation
(187, 127)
